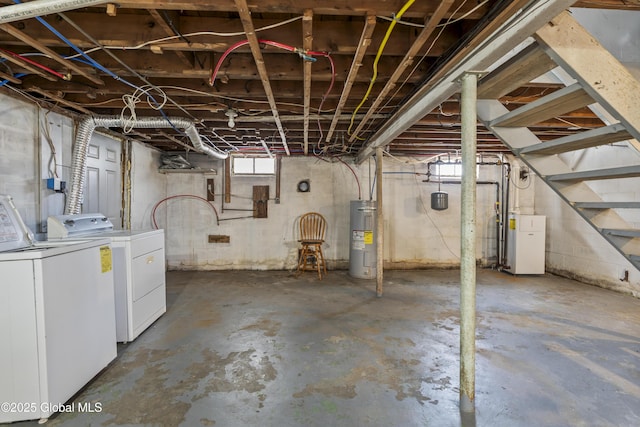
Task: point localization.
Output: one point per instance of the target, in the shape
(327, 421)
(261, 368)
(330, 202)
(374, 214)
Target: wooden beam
(363, 44)
(5, 76)
(176, 140)
(476, 55)
(307, 44)
(247, 24)
(351, 7)
(50, 53)
(166, 27)
(33, 70)
(426, 32)
(335, 36)
(59, 100)
(112, 9)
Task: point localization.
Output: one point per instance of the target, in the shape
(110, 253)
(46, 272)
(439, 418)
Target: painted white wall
(617, 30)
(148, 186)
(416, 235)
(574, 248)
(19, 171)
(56, 136)
(35, 144)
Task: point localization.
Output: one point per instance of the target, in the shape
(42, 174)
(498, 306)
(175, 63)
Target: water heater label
(358, 240)
(368, 237)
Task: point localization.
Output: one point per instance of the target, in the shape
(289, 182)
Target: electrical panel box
(526, 244)
(56, 184)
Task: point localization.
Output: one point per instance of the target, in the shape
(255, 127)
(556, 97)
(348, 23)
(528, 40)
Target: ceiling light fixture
(231, 113)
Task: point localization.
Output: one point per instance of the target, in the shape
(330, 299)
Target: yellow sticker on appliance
(105, 258)
(368, 237)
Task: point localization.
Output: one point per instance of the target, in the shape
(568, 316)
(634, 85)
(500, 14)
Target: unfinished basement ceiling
(305, 77)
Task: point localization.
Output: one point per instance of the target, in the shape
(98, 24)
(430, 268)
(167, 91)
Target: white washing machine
(57, 322)
(138, 267)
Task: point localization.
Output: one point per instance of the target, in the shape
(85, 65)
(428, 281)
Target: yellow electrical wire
(398, 15)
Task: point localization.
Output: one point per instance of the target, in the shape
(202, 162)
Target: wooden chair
(312, 230)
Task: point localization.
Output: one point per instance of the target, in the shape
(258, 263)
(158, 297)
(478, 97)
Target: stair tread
(610, 173)
(562, 101)
(525, 66)
(607, 205)
(624, 232)
(591, 138)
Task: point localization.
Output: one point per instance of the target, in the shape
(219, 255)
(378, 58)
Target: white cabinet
(526, 244)
(139, 267)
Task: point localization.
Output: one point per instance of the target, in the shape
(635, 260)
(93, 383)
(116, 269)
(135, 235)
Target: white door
(103, 186)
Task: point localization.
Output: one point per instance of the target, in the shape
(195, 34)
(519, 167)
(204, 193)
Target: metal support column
(380, 224)
(468, 244)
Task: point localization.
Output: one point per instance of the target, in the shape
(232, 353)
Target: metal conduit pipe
(85, 130)
(34, 8)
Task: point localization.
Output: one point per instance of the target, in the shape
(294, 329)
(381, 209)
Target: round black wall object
(304, 186)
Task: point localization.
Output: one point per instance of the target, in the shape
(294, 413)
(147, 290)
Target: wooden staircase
(598, 79)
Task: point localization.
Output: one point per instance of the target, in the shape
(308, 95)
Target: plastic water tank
(362, 252)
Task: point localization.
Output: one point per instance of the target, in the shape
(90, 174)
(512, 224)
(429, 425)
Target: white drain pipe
(85, 130)
(35, 8)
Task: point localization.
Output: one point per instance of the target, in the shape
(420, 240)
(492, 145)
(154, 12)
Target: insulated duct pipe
(85, 130)
(35, 8)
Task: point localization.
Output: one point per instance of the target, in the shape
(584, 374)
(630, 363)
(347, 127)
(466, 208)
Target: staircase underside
(597, 81)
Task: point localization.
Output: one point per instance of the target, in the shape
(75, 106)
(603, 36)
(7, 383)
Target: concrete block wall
(415, 235)
(19, 156)
(147, 185)
(574, 248)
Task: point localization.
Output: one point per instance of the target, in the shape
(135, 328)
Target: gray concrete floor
(268, 349)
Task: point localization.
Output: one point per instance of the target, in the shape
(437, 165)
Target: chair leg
(302, 261)
(318, 264)
(324, 263)
(321, 265)
(318, 255)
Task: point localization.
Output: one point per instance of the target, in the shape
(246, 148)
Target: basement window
(449, 170)
(253, 165)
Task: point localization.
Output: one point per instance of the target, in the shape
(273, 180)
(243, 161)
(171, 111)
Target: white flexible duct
(35, 8)
(85, 130)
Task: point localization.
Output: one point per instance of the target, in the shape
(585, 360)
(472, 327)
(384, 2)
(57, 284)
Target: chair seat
(312, 232)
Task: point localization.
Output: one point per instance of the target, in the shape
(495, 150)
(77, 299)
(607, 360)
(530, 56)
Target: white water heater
(526, 244)
(362, 252)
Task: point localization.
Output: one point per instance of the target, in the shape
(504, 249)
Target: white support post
(468, 244)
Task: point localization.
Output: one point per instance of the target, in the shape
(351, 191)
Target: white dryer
(138, 268)
(57, 322)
